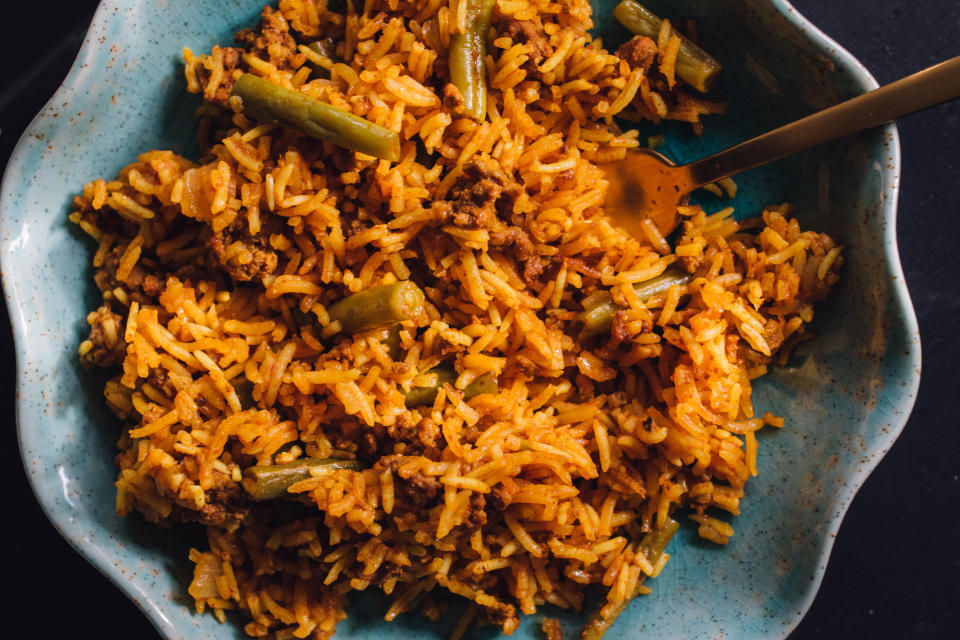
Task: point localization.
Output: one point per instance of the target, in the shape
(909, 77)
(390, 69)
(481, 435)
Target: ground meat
(514, 237)
(501, 496)
(523, 250)
(772, 335)
(160, 381)
(369, 445)
(107, 219)
(145, 284)
(689, 263)
(106, 276)
(452, 98)
(532, 270)
(108, 347)
(476, 515)
(639, 52)
(264, 259)
(413, 435)
(418, 489)
(442, 211)
(531, 34)
(523, 365)
(231, 62)
(355, 226)
(271, 41)
(206, 410)
(422, 489)
(430, 436)
(152, 286)
(404, 431)
(481, 193)
(225, 505)
(503, 615)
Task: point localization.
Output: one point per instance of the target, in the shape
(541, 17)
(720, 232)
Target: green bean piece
(326, 48)
(378, 306)
(468, 71)
(244, 390)
(420, 396)
(392, 343)
(694, 65)
(598, 319)
(481, 385)
(653, 546)
(271, 481)
(654, 543)
(265, 101)
(303, 318)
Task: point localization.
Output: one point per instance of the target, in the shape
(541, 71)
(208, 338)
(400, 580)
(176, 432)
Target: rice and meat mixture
(447, 372)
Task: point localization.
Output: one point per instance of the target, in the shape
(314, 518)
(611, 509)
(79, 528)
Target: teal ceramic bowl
(845, 396)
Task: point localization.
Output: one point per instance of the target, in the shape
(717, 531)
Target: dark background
(894, 568)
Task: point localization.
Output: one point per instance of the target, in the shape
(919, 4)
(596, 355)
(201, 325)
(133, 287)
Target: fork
(647, 184)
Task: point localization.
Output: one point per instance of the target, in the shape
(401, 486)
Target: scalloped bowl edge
(73, 531)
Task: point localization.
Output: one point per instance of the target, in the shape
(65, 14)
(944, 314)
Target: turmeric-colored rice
(218, 277)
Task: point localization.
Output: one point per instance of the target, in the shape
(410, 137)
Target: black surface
(894, 568)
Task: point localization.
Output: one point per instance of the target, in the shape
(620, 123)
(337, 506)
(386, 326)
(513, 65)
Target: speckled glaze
(845, 395)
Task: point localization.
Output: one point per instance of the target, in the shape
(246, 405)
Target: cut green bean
(653, 546)
(481, 385)
(468, 71)
(420, 396)
(265, 101)
(598, 319)
(271, 481)
(694, 65)
(244, 390)
(378, 307)
(326, 48)
(303, 318)
(392, 343)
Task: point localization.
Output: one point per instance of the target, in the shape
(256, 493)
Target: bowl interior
(845, 395)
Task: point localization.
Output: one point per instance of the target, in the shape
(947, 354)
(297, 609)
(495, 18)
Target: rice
(219, 281)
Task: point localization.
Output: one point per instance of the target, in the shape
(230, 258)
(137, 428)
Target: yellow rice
(539, 490)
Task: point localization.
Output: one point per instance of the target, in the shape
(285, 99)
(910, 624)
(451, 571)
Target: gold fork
(646, 184)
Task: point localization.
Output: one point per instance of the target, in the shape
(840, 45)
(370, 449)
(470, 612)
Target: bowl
(845, 395)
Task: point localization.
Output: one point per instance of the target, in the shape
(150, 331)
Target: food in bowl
(381, 334)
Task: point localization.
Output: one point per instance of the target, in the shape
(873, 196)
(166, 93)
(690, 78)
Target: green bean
(599, 318)
(654, 543)
(303, 318)
(481, 385)
(378, 307)
(420, 396)
(268, 102)
(392, 343)
(653, 546)
(271, 481)
(326, 48)
(244, 390)
(694, 65)
(468, 50)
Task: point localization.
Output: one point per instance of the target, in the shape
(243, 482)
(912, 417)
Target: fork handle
(921, 90)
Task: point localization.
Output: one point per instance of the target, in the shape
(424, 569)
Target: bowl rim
(74, 533)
